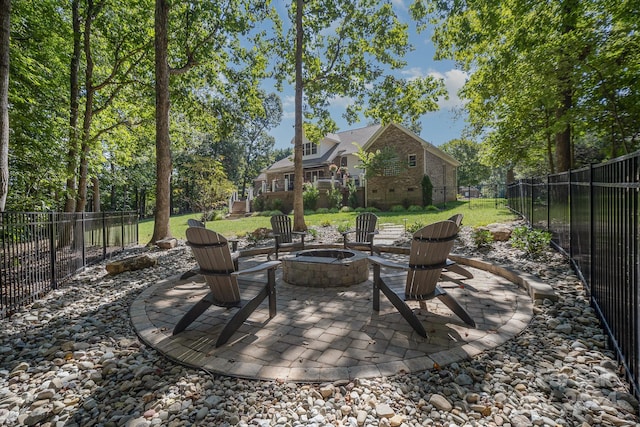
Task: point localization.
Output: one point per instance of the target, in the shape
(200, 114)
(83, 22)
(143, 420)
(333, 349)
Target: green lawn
(474, 215)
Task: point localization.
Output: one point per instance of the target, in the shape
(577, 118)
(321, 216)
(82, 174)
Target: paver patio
(326, 334)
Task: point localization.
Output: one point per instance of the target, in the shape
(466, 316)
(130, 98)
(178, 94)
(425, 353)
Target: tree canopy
(546, 77)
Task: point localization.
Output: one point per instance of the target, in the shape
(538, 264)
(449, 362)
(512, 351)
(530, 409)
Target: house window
(413, 160)
(310, 148)
(343, 162)
(392, 168)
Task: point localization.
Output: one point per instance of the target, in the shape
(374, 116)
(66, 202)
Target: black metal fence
(42, 249)
(592, 213)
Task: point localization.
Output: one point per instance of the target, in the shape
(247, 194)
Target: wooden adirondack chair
(213, 255)
(428, 256)
(235, 254)
(364, 233)
(457, 268)
(283, 234)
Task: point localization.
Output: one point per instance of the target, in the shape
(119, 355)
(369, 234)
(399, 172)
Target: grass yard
(474, 215)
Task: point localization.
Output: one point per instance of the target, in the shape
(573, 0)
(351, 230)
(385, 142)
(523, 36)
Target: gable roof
(363, 137)
(426, 145)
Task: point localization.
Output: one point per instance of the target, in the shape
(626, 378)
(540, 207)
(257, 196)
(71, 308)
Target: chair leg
(399, 304)
(241, 315)
(458, 269)
(453, 305)
(193, 313)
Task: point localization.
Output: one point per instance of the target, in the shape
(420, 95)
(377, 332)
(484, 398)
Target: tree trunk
(298, 180)
(96, 194)
(565, 90)
(163, 148)
(74, 95)
(85, 148)
(5, 8)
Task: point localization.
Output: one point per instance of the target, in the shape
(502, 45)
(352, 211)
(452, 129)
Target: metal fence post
(52, 249)
(104, 236)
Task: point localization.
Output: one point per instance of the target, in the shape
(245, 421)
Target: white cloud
(399, 4)
(288, 115)
(341, 101)
(288, 101)
(454, 80)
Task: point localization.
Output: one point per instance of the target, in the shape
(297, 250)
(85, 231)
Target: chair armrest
(344, 233)
(389, 264)
(300, 233)
(260, 267)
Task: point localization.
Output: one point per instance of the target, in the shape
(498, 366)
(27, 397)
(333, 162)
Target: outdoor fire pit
(322, 268)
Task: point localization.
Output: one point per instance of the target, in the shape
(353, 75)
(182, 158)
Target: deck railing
(593, 215)
(42, 249)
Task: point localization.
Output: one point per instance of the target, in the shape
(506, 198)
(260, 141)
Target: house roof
(345, 143)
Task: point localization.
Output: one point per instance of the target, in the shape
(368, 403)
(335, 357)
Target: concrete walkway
(330, 334)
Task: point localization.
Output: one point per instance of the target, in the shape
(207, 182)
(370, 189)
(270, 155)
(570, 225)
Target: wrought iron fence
(592, 213)
(42, 249)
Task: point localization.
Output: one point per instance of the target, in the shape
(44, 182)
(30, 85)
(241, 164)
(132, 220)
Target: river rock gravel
(73, 359)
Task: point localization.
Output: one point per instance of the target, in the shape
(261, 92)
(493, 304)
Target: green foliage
(397, 208)
(346, 209)
(275, 204)
(482, 238)
(415, 226)
(471, 170)
(352, 199)
(534, 242)
(325, 223)
(313, 232)
(371, 209)
(334, 210)
(374, 163)
(322, 210)
(310, 196)
(309, 211)
(258, 203)
(275, 212)
(359, 209)
(334, 197)
(344, 226)
(432, 208)
(427, 191)
(415, 208)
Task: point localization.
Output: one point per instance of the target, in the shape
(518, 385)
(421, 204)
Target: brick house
(400, 183)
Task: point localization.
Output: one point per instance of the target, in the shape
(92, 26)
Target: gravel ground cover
(73, 359)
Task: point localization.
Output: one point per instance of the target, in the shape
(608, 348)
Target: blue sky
(437, 127)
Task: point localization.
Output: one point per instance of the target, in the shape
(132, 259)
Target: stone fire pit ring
(325, 268)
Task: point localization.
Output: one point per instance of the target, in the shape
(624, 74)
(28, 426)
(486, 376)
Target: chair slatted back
(195, 223)
(457, 218)
(430, 248)
(212, 253)
(281, 225)
(365, 225)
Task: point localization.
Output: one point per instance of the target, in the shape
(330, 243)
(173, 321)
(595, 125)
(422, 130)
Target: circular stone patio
(328, 334)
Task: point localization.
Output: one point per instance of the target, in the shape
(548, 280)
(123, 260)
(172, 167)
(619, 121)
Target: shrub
(432, 208)
(417, 225)
(414, 208)
(325, 223)
(482, 237)
(359, 210)
(310, 196)
(334, 196)
(397, 208)
(352, 199)
(313, 232)
(277, 205)
(533, 242)
(371, 209)
(309, 211)
(346, 209)
(334, 210)
(274, 213)
(343, 226)
(265, 213)
(322, 211)
(258, 204)
(427, 191)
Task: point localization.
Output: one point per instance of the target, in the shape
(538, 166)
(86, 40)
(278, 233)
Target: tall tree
(346, 48)
(205, 36)
(5, 13)
(538, 83)
(471, 171)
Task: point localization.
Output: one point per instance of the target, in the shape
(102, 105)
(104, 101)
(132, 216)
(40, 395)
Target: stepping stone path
(389, 234)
